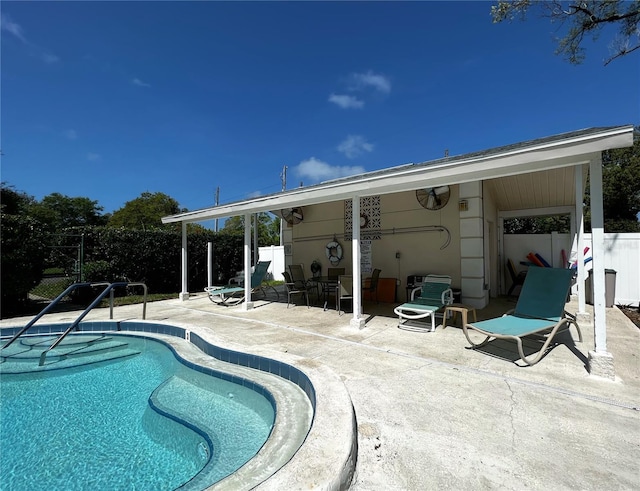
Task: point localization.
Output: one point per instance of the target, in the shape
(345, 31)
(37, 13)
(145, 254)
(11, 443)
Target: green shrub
(94, 271)
(153, 257)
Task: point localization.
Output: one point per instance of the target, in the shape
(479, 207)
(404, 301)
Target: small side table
(455, 308)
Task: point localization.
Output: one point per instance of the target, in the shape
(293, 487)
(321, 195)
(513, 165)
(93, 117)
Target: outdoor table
(327, 283)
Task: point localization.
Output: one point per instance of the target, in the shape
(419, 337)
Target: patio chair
(292, 289)
(297, 276)
(539, 313)
(435, 294)
(372, 285)
(234, 294)
(517, 279)
(344, 291)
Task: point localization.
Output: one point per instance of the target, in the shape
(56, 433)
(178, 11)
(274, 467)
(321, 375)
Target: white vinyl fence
(275, 254)
(622, 254)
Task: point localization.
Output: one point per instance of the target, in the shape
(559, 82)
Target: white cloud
(315, 170)
(6, 24)
(346, 101)
(92, 157)
(71, 134)
(354, 146)
(360, 81)
(140, 83)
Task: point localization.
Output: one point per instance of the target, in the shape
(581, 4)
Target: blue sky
(108, 100)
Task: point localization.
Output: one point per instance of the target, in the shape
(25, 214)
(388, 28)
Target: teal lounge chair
(435, 293)
(234, 294)
(538, 313)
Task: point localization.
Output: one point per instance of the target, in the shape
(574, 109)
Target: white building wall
(407, 245)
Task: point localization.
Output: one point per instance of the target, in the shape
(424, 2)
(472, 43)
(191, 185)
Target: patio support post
(357, 320)
(256, 256)
(209, 264)
(247, 304)
(600, 361)
(582, 314)
(184, 294)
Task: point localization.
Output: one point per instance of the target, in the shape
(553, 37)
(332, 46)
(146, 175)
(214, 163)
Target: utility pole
(210, 248)
(283, 179)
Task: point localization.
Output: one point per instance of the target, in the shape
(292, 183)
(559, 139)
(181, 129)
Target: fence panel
(622, 254)
(275, 254)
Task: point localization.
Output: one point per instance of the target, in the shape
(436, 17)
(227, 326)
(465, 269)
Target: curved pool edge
(326, 459)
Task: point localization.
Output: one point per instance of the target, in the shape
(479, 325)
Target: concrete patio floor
(432, 414)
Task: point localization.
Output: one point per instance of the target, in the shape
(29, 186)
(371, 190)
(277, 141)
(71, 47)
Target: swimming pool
(171, 427)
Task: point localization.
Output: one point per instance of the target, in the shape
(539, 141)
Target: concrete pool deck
(432, 414)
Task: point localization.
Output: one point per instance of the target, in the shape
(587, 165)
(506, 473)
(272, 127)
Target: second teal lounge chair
(434, 294)
(234, 294)
(539, 312)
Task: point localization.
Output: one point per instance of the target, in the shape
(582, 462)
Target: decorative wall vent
(370, 222)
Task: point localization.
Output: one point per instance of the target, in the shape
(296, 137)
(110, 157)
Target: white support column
(582, 314)
(256, 255)
(209, 264)
(472, 263)
(247, 304)
(358, 319)
(600, 361)
(184, 294)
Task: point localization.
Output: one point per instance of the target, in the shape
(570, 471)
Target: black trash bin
(609, 287)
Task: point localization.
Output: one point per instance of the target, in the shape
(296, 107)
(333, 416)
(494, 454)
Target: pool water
(143, 422)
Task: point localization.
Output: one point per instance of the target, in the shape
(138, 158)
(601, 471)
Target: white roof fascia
(536, 157)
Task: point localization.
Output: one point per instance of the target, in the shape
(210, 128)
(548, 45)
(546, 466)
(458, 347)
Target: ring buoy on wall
(334, 252)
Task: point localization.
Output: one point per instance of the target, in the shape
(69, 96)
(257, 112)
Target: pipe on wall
(389, 231)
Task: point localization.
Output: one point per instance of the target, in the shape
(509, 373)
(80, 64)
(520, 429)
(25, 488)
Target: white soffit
(545, 189)
(564, 150)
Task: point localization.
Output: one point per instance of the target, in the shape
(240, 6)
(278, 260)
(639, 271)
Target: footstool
(455, 308)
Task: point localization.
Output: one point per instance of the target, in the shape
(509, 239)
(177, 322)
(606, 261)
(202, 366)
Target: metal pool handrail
(70, 288)
(98, 299)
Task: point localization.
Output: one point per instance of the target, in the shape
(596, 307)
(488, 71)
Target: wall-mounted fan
(433, 198)
(292, 215)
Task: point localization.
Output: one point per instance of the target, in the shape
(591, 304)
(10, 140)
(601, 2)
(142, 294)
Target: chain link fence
(63, 267)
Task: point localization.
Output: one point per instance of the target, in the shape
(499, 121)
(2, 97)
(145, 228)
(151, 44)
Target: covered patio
(546, 174)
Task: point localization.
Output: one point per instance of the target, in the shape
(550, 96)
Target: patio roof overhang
(564, 150)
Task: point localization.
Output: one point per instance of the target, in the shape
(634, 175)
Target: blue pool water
(145, 421)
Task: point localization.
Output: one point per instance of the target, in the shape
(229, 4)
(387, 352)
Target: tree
(23, 249)
(583, 18)
(145, 212)
(268, 228)
(538, 225)
(57, 212)
(14, 202)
